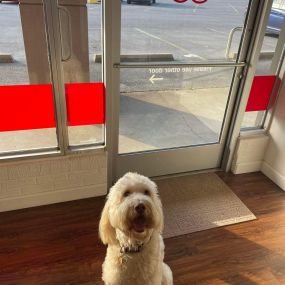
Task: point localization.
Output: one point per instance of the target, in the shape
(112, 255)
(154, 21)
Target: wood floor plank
(59, 245)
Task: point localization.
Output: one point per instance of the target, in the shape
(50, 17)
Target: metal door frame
(54, 47)
(243, 91)
(245, 66)
(53, 33)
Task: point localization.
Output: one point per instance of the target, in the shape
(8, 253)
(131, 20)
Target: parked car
(276, 19)
(149, 2)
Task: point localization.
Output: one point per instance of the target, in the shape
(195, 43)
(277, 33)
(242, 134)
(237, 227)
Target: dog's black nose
(140, 208)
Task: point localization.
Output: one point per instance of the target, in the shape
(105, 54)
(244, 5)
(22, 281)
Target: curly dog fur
(131, 226)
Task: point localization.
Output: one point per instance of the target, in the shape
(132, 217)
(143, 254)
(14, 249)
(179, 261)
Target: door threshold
(182, 174)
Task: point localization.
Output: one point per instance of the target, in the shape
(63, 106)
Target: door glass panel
(82, 69)
(27, 119)
(182, 107)
(175, 107)
(168, 30)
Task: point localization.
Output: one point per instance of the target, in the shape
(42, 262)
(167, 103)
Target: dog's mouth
(139, 224)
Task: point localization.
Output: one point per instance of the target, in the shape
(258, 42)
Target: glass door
(76, 27)
(180, 67)
(81, 72)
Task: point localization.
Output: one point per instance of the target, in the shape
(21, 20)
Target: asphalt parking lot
(188, 32)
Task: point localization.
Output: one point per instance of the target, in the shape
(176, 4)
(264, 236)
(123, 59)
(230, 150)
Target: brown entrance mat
(198, 202)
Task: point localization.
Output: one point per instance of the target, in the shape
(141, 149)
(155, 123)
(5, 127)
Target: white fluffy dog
(131, 226)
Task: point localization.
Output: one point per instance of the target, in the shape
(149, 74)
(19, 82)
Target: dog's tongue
(139, 224)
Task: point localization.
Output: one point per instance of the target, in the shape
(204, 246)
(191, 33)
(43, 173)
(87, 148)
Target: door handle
(65, 36)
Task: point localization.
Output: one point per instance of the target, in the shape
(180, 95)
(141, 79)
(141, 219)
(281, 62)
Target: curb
(263, 55)
(267, 54)
(140, 57)
(6, 58)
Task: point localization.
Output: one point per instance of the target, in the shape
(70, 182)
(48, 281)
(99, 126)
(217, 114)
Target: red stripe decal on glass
(25, 107)
(260, 93)
(85, 103)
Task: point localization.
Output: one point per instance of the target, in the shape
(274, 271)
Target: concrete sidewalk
(148, 120)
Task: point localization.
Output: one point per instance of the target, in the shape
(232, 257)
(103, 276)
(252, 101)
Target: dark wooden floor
(58, 244)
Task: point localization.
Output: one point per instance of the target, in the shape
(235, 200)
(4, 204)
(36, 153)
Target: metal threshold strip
(40, 152)
(179, 64)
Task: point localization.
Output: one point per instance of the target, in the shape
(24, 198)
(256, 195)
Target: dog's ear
(106, 231)
(159, 209)
(161, 219)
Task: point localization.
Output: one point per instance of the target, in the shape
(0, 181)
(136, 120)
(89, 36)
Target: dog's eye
(147, 193)
(127, 193)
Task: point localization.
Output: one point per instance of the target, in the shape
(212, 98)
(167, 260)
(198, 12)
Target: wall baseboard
(274, 175)
(45, 198)
(246, 167)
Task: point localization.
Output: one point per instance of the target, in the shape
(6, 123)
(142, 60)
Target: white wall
(44, 181)
(249, 152)
(274, 159)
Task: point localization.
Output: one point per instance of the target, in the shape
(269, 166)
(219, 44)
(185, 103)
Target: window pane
(181, 31)
(185, 108)
(268, 60)
(82, 66)
(27, 116)
(253, 119)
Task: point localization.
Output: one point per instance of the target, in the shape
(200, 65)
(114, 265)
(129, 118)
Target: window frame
(52, 30)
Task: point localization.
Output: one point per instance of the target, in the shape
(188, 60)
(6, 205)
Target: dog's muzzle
(141, 219)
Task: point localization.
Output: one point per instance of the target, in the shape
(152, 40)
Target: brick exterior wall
(51, 180)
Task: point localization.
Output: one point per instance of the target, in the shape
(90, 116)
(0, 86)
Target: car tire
(129, 1)
(153, 1)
